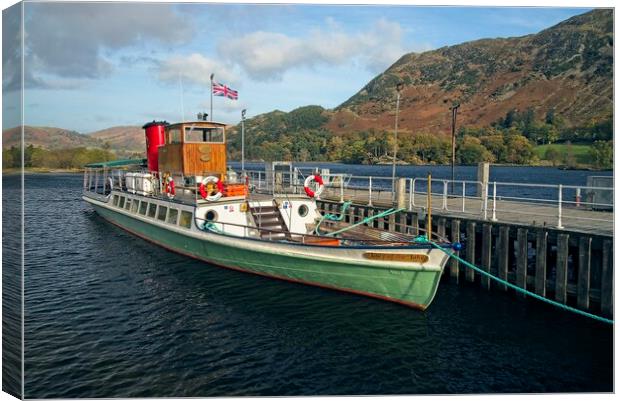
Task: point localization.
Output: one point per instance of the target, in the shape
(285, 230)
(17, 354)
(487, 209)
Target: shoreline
(14, 171)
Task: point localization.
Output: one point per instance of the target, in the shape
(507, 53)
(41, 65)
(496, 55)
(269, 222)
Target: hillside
(128, 138)
(567, 67)
(48, 138)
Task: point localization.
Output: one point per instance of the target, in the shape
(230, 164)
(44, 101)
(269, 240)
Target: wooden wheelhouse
(194, 149)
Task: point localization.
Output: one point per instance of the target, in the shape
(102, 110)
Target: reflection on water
(110, 315)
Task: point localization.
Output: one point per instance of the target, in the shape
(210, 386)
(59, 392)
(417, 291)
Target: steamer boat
(181, 197)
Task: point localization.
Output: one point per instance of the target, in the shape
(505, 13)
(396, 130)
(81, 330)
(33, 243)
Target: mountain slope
(48, 138)
(128, 138)
(567, 67)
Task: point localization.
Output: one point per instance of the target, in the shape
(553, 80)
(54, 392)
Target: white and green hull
(340, 268)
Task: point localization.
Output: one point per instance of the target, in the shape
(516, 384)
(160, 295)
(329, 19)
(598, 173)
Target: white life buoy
(316, 178)
(211, 196)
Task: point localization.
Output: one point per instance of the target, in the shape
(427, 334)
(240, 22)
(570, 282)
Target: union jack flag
(223, 90)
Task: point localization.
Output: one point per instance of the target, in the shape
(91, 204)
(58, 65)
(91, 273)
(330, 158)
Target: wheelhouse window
(172, 216)
(174, 135)
(152, 209)
(204, 135)
(161, 213)
(186, 219)
(143, 206)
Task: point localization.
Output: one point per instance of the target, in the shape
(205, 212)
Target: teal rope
(364, 221)
(333, 217)
(212, 227)
(519, 289)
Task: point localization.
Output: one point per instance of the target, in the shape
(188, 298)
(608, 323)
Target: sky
(90, 66)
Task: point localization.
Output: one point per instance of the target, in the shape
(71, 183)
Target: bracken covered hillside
(567, 67)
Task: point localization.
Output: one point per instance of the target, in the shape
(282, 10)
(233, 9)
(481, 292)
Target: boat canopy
(118, 163)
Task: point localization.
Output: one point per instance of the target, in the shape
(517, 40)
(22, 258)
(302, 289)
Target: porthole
(211, 215)
(303, 210)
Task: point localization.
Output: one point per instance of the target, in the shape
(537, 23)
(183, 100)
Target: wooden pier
(573, 265)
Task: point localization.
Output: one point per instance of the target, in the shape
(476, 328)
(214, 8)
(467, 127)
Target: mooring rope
(516, 288)
(345, 205)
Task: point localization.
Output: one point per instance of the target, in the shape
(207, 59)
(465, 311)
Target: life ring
(316, 178)
(169, 188)
(211, 196)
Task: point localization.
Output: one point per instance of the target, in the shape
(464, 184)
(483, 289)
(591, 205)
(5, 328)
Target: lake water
(110, 315)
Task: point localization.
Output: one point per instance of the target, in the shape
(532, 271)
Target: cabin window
(172, 216)
(174, 135)
(143, 206)
(303, 210)
(161, 213)
(152, 209)
(121, 203)
(128, 204)
(202, 135)
(115, 200)
(134, 206)
(186, 219)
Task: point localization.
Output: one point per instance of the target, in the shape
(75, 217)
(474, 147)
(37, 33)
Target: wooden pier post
(486, 255)
(583, 274)
(521, 279)
(541, 263)
(402, 222)
(607, 279)
(441, 227)
(401, 193)
(391, 222)
(415, 223)
(561, 270)
(455, 236)
(471, 249)
(503, 253)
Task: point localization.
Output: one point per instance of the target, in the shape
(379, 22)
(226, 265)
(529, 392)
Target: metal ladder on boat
(270, 222)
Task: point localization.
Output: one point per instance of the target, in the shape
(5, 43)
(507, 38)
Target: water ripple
(110, 315)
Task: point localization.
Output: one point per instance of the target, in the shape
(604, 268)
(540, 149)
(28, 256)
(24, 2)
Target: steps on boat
(270, 220)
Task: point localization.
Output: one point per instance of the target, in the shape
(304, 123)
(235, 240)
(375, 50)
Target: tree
(520, 150)
(602, 153)
(471, 151)
(553, 155)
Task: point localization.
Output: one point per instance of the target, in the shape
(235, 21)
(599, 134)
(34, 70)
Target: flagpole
(211, 97)
(243, 142)
(182, 101)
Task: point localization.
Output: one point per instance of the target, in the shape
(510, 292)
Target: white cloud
(70, 39)
(195, 68)
(268, 55)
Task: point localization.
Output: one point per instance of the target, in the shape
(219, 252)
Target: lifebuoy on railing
(211, 196)
(169, 188)
(316, 178)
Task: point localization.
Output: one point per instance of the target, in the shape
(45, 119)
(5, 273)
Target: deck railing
(534, 204)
